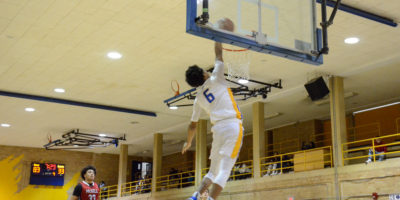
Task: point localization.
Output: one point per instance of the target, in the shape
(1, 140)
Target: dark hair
(84, 170)
(195, 76)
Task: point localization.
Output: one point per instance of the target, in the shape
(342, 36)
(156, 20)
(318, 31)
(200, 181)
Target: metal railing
(241, 170)
(284, 163)
(364, 146)
(178, 180)
(129, 188)
(108, 191)
(136, 187)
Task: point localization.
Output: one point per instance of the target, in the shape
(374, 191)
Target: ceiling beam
(75, 103)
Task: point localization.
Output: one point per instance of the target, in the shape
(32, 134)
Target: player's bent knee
(222, 177)
(210, 176)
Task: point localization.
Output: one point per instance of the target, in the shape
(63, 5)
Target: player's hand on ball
(226, 24)
(186, 146)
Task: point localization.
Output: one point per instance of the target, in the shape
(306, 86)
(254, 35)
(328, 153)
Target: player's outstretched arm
(218, 51)
(191, 133)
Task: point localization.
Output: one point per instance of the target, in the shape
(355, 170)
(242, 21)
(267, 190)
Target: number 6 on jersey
(210, 97)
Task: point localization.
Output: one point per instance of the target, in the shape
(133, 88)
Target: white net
(238, 63)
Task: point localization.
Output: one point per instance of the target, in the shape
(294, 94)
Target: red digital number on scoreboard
(51, 167)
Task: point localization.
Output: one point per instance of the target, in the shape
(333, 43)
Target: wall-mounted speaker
(317, 88)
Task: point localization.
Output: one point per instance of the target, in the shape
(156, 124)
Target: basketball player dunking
(214, 96)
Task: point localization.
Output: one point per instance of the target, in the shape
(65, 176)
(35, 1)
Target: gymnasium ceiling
(47, 44)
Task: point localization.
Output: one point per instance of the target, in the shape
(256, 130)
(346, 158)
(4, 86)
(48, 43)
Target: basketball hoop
(49, 138)
(238, 62)
(175, 87)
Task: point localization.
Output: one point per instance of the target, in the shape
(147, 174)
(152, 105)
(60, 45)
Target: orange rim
(176, 91)
(235, 50)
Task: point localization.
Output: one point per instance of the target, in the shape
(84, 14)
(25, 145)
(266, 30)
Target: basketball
(226, 24)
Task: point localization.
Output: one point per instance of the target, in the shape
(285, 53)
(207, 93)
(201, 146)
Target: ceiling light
(173, 107)
(5, 125)
(243, 81)
(59, 90)
(351, 40)
(29, 109)
(377, 107)
(114, 55)
(102, 135)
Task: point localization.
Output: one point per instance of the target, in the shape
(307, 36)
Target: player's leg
(205, 183)
(231, 134)
(225, 167)
(212, 172)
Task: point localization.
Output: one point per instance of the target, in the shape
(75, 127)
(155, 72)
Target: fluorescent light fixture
(29, 109)
(173, 107)
(114, 55)
(243, 81)
(377, 107)
(5, 125)
(102, 135)
(351, 40)
(59, 90)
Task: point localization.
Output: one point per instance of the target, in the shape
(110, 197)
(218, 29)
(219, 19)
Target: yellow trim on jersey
(238, 114)
(238, 142)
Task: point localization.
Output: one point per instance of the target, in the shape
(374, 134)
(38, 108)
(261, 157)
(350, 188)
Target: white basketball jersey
(216, 98)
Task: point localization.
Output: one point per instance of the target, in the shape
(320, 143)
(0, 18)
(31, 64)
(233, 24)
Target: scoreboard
(47, 174)
(47, 169)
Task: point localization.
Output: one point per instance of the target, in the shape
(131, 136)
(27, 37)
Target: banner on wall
(394, 197)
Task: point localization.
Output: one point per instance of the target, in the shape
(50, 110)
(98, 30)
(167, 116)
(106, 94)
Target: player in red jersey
(87, 189)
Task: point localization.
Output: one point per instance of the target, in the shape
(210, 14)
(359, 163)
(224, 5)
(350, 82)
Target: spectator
(272, 168)
(379, 151)
(248, 172)
(147, 184)
(305, 146)
(103, 188)
(312, 145)
(190, 179)
(139, 186)
(235, 172)
(242, 170)
(286, 164)
(102, 184)
(375, 196)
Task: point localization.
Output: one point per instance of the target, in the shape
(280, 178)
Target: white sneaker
(368, 161)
